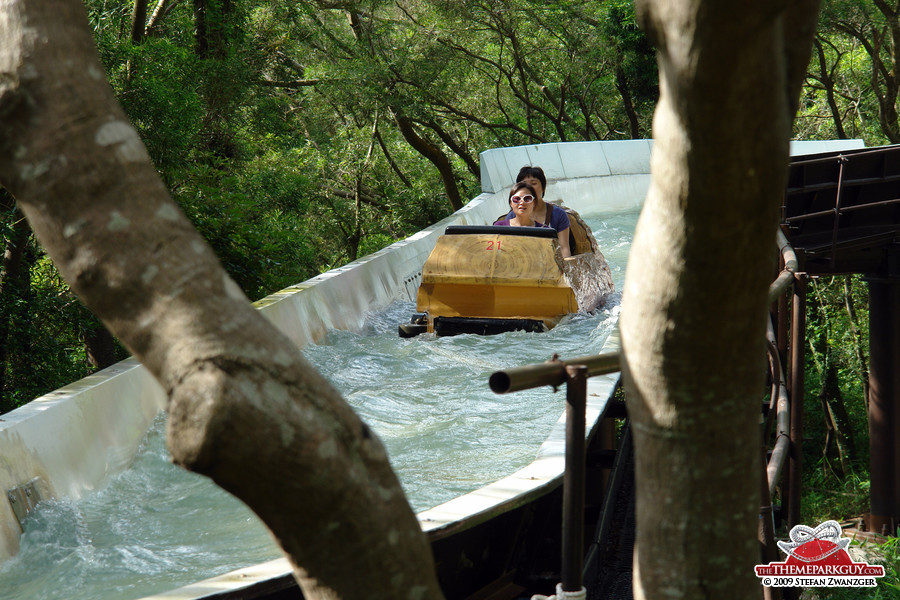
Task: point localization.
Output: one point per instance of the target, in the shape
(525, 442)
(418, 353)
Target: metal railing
(574, 373)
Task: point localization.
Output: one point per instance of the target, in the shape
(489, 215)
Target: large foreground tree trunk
(245, 408)
(694, 302)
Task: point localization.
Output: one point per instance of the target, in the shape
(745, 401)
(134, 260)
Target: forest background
(298, 136)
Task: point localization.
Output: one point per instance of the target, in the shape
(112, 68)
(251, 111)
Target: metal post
(573, 480)
(798, 336)
(884, 412)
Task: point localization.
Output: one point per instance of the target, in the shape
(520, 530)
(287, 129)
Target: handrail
(843, 210)
(843, 155)
(552, 372)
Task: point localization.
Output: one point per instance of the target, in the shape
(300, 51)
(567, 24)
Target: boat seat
(580, 244)
(538, 232)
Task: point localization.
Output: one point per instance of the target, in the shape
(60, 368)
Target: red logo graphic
(818, 558)
(820, 545)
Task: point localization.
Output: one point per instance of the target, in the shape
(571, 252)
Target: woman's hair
(521, 185)
(536, 172)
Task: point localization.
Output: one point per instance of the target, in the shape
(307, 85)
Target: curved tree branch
(245, 408)
(434, 155)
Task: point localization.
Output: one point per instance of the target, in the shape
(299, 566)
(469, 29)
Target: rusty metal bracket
(24, 497)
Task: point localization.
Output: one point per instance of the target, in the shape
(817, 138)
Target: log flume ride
(484, 280)
(494, 542)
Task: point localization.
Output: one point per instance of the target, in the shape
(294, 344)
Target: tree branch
(245, 408)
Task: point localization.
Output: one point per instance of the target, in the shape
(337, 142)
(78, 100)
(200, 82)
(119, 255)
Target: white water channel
(156, 527)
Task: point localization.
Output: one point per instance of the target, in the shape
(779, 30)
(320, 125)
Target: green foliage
(853, 85)
(44, 337)
(837, 338)
(280, 137)
(885, 552)
(835, 447)
(825, 498)
(161, 101)
(890, 558)
(840, 74)
(634, 51)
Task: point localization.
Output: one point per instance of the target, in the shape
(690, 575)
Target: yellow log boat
(486, 279)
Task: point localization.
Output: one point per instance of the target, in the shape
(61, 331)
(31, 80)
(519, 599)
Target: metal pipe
(784, 280)
(782, 446)
(781, 449)
(552, 372)
(841, 156)
(573, 480)
(766, 528)
(843, 211)
(798, 329)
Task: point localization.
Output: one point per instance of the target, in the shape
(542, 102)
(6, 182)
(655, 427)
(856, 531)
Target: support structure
(841, 214)
(884, 404)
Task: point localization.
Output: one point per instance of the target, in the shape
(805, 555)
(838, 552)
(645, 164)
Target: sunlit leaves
(854, 80)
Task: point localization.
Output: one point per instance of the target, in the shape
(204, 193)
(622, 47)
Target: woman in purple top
(521, 201)
(544, 212)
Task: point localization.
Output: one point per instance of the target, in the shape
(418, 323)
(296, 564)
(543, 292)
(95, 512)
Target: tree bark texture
(694, 303)
(245, 408)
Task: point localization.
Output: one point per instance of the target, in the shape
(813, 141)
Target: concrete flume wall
(73, 439)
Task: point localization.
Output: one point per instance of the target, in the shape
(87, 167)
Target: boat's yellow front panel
(495, 301)
(495, 276)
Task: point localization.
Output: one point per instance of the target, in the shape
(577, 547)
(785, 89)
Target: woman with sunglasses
(521, 204)
(545, 212)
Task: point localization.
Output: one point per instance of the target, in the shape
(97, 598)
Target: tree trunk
(858, 346)
(138, 21)
(161, 9)
(836, 425)
(14, 281)
(434, 155)
(627, 104)
(201, 28)
(216, 23)
(694, 303)
(825, 77)
(245, 408)
(100, 346)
